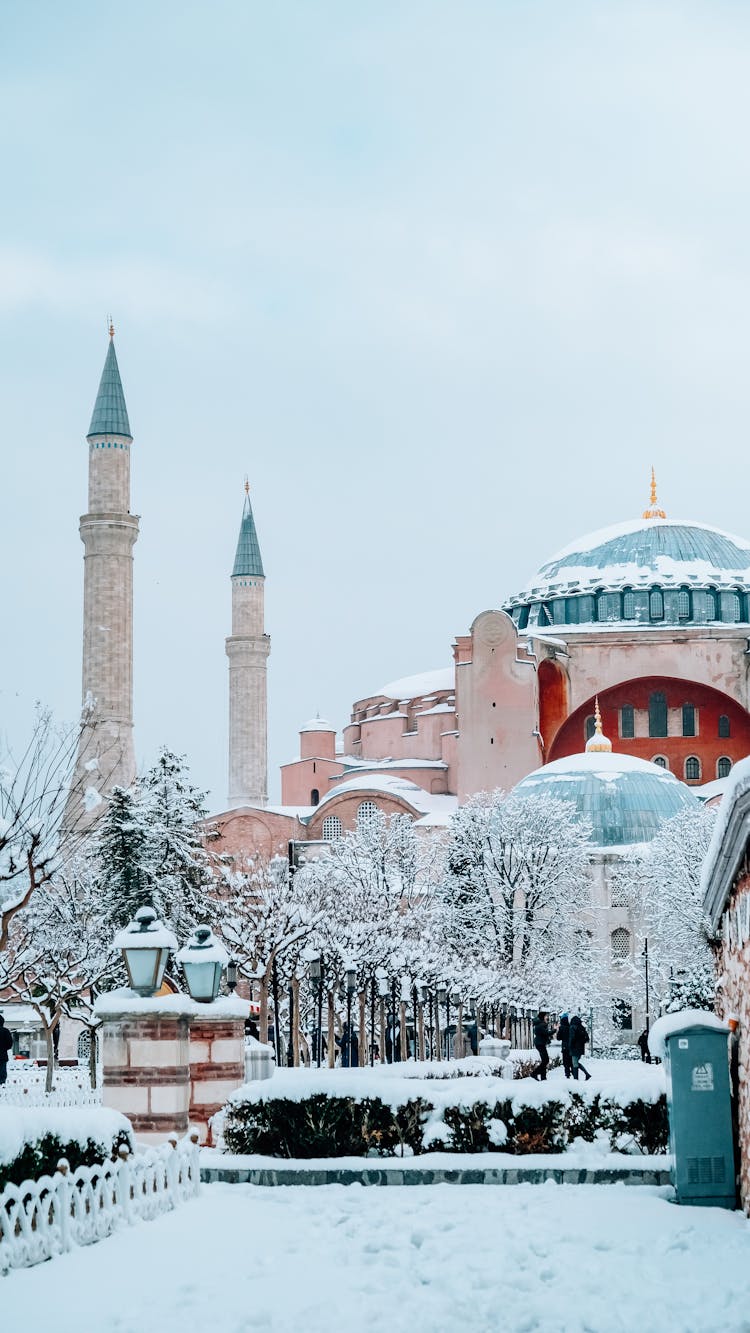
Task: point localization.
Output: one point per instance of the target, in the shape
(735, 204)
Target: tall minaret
(106, 757)
(247, 649)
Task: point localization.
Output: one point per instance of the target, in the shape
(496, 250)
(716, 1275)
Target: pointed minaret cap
(598, 743)
(247, 561)
(110, 415)
(653, 511)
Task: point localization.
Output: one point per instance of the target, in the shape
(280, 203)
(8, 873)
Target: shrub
(40, 1157)
(646, 1124)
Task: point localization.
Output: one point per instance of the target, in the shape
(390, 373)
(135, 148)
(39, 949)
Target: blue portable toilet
(694, 1048)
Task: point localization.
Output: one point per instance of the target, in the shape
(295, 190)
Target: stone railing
(72, 1087)
(44, 1217)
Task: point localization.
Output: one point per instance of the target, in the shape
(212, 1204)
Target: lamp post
(203, 960)
(145, 945)
(351, 986)
(315, 971)
(645, 959)
(442, 999)
(392, 1021)
(232, 976)
(382, 977)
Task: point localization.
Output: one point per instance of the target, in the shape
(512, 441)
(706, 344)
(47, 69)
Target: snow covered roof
(353, 762)
(726, 850)
(683, 1021)
(414, 687)
(426, 803)
(317, 723)
(667, 551)
(625, 798)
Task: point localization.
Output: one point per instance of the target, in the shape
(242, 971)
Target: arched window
(683, 604)
(660, 760)
(608, 606)
(367, 814)
(589, 727)
(657, 713)
(620, 943)
(711, 605)
(314, 796)
(731, 608)
(83, 1048)
(627, 722)
(724, 730)
(331, 830)
(656, 604)
(723, 767)
(628, 604)
(692, 768)
(688, 719)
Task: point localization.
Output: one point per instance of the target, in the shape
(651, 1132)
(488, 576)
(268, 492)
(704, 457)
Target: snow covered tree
(661, 884)
(121, 858)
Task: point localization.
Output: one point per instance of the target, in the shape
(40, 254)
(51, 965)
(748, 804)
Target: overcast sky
(443, 279)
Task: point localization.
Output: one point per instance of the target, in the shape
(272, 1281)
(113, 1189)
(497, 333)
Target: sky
(442, 280)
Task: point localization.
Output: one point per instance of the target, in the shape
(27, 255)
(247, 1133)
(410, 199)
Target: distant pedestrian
(6, 1046)
(578, 1040)
(542, 1038)
(643, 1043)
(563, 1036)
(349, 1046)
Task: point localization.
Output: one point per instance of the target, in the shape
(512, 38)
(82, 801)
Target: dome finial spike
(111, 327)
(247, 485)
(598, 743)
(654, 511)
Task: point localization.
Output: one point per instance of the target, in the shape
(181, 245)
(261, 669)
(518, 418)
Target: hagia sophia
(651, 617)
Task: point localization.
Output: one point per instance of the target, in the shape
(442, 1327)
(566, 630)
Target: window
(656, 604)
(83, 1047)
(619, 896)
(620, 942)
(724, 731)
(628, 604)
(589, 727)
(571, 610)
(688, 719)
(692, 768)
(314, 796)
(367, 814)
(660, 760)
(683, 604)
(731, 607)
(723, 767)
(331, 831)
(657, 713)
(622, 1015)
(608, 606)
(627, 722)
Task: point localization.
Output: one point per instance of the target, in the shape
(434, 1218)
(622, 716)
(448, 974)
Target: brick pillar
(146, 1070)
(217, 1064)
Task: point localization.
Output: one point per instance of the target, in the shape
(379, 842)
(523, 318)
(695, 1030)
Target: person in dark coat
(349, 1045)
(542, 1039)
(563, 1036)
(6, 1046)
(578, 1039)
(643, 1043)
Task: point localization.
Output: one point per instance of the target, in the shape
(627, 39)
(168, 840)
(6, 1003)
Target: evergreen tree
(120, 857)
(179, 866)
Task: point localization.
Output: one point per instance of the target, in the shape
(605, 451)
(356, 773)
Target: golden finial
(654, 511)
(598, 743)
(247, 485)
(111, 327)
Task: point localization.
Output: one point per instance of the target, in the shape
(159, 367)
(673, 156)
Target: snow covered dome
(626, 799)
(648, 572)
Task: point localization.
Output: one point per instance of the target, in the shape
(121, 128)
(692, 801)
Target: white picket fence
(72, 1087)
(44, 1217)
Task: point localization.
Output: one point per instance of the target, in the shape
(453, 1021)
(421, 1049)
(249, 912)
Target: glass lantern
(203, 959)
(145, 945)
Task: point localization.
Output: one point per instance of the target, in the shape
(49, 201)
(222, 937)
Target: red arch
(553, 700)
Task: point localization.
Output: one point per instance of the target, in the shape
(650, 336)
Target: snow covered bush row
(415, 1117)
(32, 1140)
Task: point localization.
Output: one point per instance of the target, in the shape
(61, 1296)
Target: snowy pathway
(439, 1259)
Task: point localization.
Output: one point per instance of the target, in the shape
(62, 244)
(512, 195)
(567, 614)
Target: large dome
(647, 572)
(626, 799)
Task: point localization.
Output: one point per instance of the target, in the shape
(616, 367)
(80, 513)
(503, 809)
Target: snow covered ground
(439, 1259)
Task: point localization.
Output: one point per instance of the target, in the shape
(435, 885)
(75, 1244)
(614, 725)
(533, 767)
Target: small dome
(317, 724)
(626, 799)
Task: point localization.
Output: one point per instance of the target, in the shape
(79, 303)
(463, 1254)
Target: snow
(607, 534)
(27, 1124)
(738, 783)
(685, 1018)
(406, 1259)
(91, 799)
(401, 788)
(415, 687)
(603, 765)
(317, 724)
(126, 1001)
(156, 937)
(211, 952)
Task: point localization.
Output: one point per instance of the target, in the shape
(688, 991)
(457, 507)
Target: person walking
(563, 1036)
(542, 1038)
(643, 1043)
(578, 1039)
(6, 1046)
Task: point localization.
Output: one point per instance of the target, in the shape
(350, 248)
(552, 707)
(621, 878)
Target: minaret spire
(654, 511)
(247, 648)
(598, 743)
(109, 531)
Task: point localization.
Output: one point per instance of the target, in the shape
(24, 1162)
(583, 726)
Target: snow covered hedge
(317, 1117)
(33, 1139)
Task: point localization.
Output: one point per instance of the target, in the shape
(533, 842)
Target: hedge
(40, 1156)
(325, 1126)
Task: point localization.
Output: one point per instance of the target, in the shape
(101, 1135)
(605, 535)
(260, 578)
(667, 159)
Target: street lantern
(314, 969)
(145, 945)
(383, 985)
(351, 979)
(203, 959)
(351, 985)
(442, 994)
(424, 992)
(232, 975)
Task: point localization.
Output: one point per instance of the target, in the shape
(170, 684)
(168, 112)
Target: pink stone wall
(146, 1073)
(217, 1068)
(299, 779)
(734, 998)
